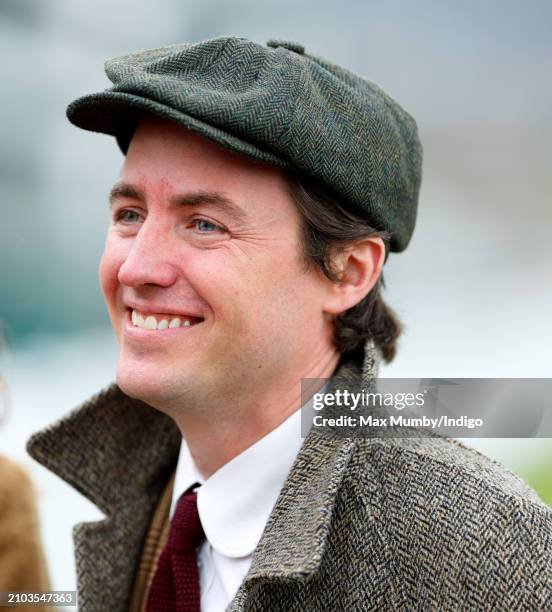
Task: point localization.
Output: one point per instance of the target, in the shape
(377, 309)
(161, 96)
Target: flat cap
(279, 105)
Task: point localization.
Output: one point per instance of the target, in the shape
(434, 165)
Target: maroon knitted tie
(175, 586)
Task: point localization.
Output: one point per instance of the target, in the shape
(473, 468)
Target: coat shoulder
(441, 465)
(457, 527)
(22, 564)
(16, 490)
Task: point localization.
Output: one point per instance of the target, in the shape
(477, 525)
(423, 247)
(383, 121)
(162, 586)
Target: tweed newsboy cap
(278, 105)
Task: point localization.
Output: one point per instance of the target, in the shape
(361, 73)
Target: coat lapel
(294, 541)
(120, 453)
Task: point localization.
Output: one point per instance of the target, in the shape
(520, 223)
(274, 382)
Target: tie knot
(186, 532)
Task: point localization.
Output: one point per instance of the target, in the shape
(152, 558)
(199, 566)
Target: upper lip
(153, 309)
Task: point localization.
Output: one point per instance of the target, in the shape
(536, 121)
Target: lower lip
(134, 331)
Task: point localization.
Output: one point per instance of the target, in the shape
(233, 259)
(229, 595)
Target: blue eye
(206, 227)
(128, 216)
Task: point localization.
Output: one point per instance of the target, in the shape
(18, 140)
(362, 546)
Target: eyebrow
(196, 198)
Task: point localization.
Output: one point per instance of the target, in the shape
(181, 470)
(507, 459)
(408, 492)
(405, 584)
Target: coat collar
(120, 453)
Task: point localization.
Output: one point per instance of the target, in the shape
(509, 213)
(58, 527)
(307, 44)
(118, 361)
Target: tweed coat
(360, 523)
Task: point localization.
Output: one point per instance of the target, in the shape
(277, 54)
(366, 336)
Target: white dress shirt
(234, 505)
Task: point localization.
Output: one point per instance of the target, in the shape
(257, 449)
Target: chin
(133, 388)
(150, 386)
(140, 386)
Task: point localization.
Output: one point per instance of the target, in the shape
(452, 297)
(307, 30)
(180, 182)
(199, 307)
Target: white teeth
(150, 323)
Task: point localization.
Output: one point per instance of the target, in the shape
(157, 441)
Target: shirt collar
(235, 502)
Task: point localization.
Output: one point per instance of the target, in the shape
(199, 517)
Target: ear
(360, 266)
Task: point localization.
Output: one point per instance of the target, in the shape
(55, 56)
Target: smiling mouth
(153, 322)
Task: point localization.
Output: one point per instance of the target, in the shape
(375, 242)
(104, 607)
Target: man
(261, 193)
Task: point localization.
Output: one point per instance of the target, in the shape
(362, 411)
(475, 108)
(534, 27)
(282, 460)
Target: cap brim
(118, 114)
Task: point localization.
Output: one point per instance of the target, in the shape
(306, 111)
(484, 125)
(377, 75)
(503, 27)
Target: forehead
(162, 152)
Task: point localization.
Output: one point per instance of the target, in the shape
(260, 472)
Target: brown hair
(327, 229)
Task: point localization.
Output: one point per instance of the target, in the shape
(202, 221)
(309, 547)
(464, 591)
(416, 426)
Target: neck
(216, 437)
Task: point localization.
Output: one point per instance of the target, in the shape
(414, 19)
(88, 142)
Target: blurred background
(474, 287)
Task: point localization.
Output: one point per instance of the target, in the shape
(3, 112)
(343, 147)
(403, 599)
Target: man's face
(202, 273)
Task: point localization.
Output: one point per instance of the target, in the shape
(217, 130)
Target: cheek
(270, 293)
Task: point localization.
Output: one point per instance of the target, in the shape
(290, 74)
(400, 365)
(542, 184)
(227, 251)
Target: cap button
(287, 44)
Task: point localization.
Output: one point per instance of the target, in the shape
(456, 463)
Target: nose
(147, 263)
